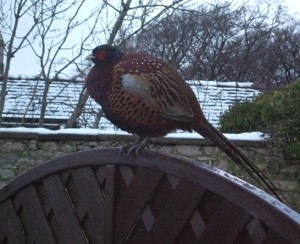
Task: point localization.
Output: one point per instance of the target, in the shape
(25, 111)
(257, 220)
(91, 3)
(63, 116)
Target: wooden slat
(102, 172)
(10, 228)
(161, 195)
(210, 203)
(60, 212)
(138, 233)
(32, 217)
(134, 201)
(187, 236)
(109, 204)
(90, 207)
(228, 221)
(243, 237)
(175, 213)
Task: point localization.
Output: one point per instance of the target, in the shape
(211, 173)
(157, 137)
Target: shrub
(241, 117)
(276, 113)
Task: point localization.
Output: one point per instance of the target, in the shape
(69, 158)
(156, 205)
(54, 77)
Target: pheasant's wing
(160, 86)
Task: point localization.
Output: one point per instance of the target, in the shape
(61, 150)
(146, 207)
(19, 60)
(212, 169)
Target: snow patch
(249, 136)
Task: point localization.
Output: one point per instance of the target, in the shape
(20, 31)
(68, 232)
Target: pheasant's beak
(90, 57)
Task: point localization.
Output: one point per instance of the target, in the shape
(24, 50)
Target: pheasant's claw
(126, 148)
(135, 147)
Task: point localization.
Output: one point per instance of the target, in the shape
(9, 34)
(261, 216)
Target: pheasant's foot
(134, 147)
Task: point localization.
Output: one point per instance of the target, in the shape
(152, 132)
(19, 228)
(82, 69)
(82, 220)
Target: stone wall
(19, 152)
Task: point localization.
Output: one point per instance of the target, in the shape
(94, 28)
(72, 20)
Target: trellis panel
(98, 197)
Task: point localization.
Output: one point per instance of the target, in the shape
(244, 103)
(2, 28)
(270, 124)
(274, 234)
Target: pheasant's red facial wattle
(101, 55)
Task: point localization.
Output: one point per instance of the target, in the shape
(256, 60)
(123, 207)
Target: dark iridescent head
(104, 54)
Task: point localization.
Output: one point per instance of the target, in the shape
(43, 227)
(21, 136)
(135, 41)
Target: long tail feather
(210, 132)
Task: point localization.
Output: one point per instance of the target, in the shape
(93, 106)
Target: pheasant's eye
(101, 55)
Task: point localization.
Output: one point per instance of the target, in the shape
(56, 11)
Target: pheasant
(145, 96)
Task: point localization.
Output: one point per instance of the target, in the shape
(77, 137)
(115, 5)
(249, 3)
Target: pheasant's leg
(135, 147)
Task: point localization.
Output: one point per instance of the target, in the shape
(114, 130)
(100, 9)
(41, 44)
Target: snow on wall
(25, 97)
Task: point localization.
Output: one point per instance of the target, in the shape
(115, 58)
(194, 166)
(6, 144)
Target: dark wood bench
(98, 197)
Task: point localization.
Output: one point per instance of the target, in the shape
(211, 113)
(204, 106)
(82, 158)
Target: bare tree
(216, 28)
(191, 40)
(256, 30)
(57, 51)
(221, 41)
(12, 13)
(169, 38)
(1, 54)
(281, 60)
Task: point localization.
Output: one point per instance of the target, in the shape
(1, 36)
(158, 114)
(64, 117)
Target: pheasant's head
(104, 54)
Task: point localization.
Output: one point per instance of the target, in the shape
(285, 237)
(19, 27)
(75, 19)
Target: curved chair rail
(96, 196)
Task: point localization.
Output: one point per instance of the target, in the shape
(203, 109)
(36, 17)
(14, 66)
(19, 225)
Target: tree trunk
(44, 103)
(71, 123)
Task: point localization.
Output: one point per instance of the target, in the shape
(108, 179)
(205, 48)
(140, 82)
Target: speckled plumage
(131, 111)
(145, 96)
